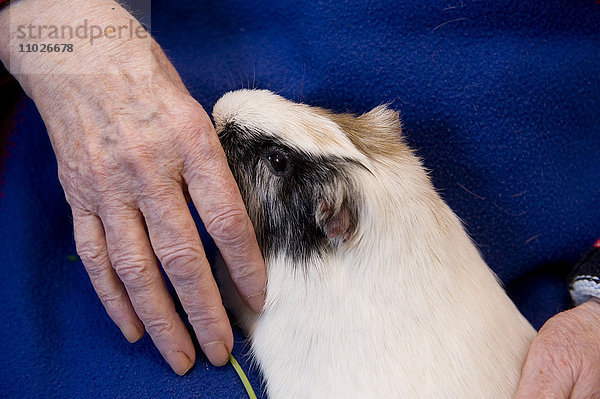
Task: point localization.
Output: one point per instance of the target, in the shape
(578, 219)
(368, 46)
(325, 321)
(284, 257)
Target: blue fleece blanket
(500, 98)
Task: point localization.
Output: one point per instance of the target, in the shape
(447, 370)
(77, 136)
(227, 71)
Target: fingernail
(256, 301)
(179, 362)
(131, 332)
(216, 352)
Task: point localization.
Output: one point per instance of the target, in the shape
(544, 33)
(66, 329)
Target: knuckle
(183, 264)
(134, 272)
(206, 317)
(160, 327)
(229, 226)
(112, 302)
(92, 254)
(198, 140)
(192, 117)
(202, 154)
(245, 272)
(210, 154)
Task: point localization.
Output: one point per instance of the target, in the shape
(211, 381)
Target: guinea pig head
(298, 169)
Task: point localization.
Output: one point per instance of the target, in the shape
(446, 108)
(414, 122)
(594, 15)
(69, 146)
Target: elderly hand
(564, 359)
(131, 143)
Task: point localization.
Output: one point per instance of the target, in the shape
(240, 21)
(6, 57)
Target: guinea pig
(374, 288)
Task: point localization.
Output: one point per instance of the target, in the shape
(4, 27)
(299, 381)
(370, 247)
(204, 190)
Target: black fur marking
(283, 206)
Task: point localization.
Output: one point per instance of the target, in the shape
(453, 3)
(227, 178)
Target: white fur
(271, 115)
(406, 309)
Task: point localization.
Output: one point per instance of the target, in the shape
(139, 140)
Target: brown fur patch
(376, 133)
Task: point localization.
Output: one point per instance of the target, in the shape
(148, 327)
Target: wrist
(70, 37)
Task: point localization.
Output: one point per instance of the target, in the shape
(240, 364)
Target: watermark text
(91, 32)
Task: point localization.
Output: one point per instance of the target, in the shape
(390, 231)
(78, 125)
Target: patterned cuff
(584, 281)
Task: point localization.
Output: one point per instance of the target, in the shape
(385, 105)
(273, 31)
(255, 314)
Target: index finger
(219, 203)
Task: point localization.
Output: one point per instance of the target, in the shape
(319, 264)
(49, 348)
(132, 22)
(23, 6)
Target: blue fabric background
(500, 98)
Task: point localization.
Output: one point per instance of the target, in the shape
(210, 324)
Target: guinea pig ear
(376, 133)
(337, 217)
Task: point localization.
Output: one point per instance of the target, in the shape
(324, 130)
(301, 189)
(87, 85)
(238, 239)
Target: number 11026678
(46, 48)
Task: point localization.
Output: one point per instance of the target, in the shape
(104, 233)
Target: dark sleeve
(584, 281)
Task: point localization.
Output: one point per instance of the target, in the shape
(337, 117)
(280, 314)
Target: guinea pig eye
(277, 161)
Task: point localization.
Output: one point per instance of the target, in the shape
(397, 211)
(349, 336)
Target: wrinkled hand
(131, 143)
(564, 359)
